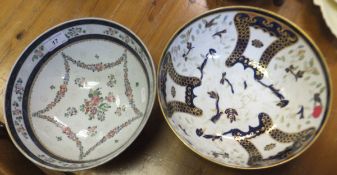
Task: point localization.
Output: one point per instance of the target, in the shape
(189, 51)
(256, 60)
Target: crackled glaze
(80, 94)
(243, 88)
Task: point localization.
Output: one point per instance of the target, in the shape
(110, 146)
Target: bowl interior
(243, 88)
(80, 94)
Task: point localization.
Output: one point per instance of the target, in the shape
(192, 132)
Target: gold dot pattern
(189, 82)
(299, 140)
(242, 23)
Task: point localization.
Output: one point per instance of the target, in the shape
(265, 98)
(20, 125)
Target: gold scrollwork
(242, 23)
(189, 82)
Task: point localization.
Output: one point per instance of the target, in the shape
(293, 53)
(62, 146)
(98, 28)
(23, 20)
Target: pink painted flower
(38, 53)
(63, 89)
(95, 100)
(86, 103)
(66, 130)
(87, 109)
(78, 142)
(50, 105)
(99, 67)
(128, 93)
(17, 112)
(110, 98)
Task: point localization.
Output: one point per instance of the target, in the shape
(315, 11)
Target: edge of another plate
(324, 6)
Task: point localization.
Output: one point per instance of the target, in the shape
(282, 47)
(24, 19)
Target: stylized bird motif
(218, 114)
(219, 33)
(211, 22)
(189, 48)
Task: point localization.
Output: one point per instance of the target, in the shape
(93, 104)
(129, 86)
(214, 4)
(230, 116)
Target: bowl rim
(281, 19)
(146, 116)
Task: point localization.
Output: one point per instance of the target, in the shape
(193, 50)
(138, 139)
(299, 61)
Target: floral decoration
(71, 111)
(95, 106)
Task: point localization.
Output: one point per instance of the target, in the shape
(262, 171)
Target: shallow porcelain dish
(79, 94)
(244, 88)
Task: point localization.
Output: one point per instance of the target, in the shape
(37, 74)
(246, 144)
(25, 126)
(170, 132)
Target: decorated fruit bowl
(79, 94)
(244, 88)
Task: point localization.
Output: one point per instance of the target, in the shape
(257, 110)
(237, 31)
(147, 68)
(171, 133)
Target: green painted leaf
(315, 71)
(182, 36)
(82, 108)
(34, 58)
(311, 62)
(322, 90)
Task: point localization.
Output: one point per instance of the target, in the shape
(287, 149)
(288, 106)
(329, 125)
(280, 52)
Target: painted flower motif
(52, 87)
(92, 130)
(99, 67)
(119, 110)
(70, 112)
(63, 89)
(111, 31)
(74, 31)
(292, 69)
(173, 91)
(257, 43)
(128, 93)
(95, 106)
(80, 82)
(59, 138)
(22, 130)
(66, 130)
(127, 39)
(110, 98)
(16, 110)
(19, 89)
(112, 81)
(269, 146)
(38, 53)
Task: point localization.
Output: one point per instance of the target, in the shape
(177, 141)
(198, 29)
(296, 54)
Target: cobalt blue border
(24, 56)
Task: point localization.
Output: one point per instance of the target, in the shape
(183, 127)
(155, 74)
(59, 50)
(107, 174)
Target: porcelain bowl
(79, 94)
(244, 87)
